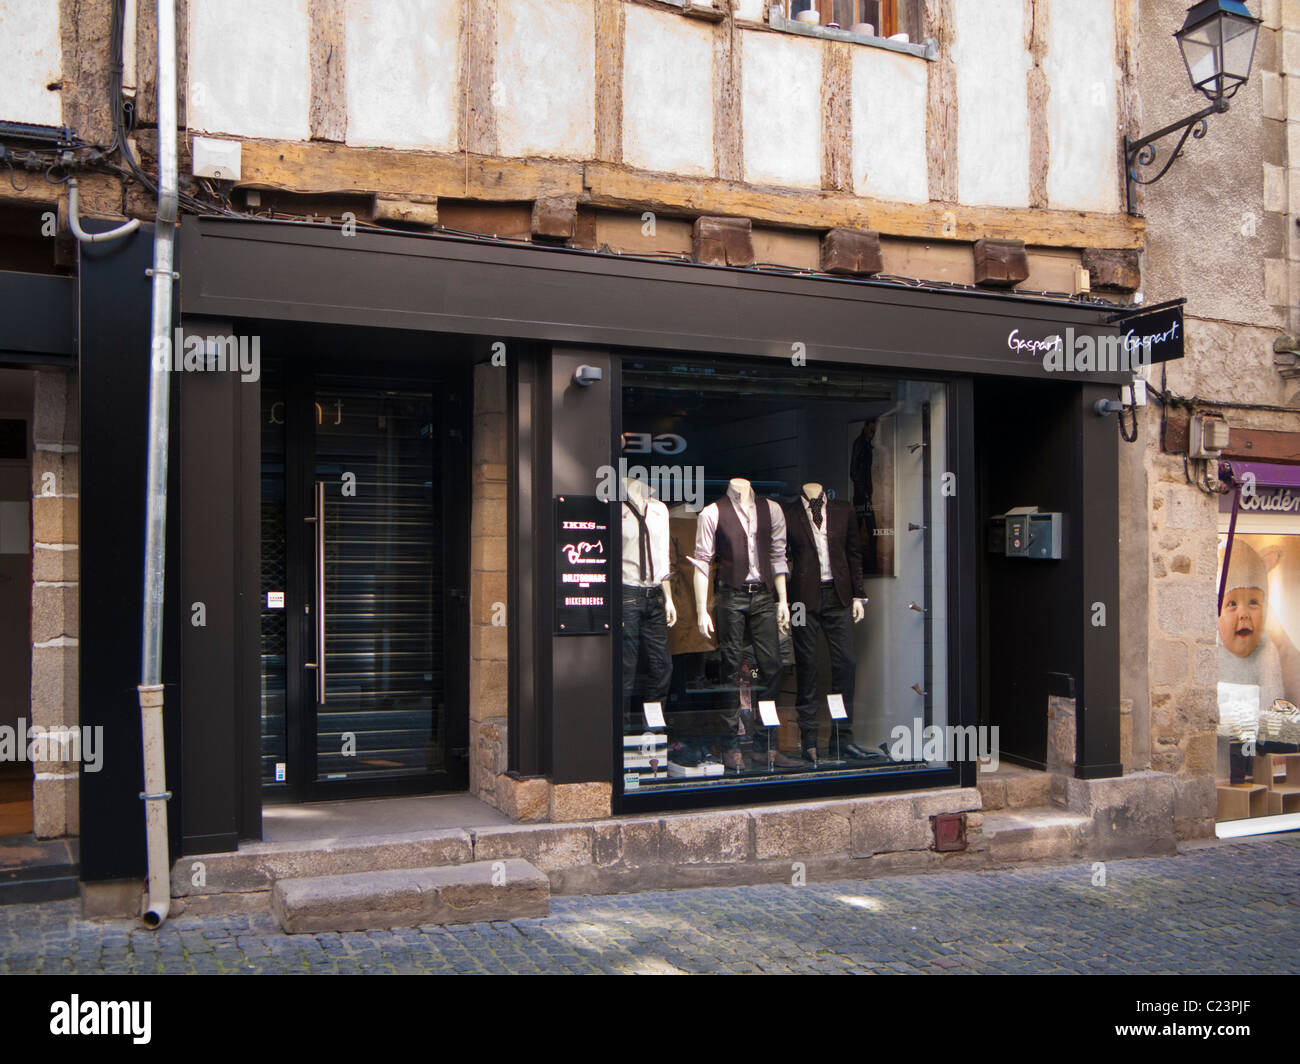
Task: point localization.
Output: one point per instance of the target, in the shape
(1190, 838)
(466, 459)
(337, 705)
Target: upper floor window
(885, 17)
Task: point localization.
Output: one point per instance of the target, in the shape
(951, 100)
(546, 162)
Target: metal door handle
(319, 664)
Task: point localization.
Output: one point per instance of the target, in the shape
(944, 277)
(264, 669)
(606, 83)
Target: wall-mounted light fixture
(585, 376)
(1218, 45)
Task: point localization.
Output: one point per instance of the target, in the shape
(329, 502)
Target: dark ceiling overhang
(312, 273)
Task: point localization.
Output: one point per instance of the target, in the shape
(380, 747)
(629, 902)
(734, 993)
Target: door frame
(451, 389)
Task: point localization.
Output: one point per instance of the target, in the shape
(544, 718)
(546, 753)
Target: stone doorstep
(1035, 833)
(702, 843)
(471, 893)
(255, 866)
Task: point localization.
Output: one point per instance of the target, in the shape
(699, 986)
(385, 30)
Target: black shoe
(852, 750)
(685, 754)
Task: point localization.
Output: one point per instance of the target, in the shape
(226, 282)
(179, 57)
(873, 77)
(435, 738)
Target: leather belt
(748, 588)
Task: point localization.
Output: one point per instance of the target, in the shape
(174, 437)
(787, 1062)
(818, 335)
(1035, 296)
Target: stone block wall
(489, 664)
(1183, 660)
(55, 592)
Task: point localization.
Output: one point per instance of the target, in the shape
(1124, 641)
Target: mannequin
(648, 610)
(826, 577)
(746, 536)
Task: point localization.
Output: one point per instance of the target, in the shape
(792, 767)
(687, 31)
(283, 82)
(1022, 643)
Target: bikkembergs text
(196, 353)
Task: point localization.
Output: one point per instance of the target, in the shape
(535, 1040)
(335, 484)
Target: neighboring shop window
(784, 543)
(1258, 765)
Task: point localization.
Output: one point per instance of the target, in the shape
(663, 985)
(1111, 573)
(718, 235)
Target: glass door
(355, 667)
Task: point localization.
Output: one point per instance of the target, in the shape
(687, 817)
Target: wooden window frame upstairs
(889, 17)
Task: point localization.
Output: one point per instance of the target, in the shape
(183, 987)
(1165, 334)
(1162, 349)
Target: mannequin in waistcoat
(744, 537)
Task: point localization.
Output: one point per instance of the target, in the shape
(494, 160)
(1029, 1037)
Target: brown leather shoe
(778, 760)
(734, 759)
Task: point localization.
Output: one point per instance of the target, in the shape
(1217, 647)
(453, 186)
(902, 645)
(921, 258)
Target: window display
(1258, 732)
(775, 623)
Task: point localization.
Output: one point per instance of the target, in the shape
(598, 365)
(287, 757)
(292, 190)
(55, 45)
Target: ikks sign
(582, 565)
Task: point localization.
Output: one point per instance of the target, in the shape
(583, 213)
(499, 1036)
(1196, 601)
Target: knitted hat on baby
(1246, 569)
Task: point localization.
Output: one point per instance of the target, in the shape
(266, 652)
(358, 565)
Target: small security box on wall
(1026, 533)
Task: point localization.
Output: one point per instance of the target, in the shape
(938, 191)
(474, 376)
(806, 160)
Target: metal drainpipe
(155, 792)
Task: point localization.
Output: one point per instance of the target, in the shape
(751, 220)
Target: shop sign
(582, 565)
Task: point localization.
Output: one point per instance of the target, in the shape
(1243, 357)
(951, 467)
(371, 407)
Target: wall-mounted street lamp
(1218, 45)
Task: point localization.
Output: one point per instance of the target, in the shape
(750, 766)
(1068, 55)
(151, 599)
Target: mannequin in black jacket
(825, 561)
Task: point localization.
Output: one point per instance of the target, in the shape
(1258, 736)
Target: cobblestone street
(1227, 908)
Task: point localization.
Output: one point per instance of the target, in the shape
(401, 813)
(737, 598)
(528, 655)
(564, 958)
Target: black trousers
(834, 621)
(736, 615)
(645, 635)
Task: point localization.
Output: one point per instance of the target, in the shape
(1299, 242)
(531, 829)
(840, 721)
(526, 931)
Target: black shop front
(854, 525)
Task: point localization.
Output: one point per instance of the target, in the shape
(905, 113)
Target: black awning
(298, 272)
(37, 319)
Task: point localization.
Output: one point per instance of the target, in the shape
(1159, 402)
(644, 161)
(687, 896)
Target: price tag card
(275, 600)
(654, 715)
(767, 713)
(836, 705)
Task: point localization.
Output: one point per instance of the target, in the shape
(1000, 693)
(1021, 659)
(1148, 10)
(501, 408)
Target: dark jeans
(737, 614)
(829, 618)
(645, 632)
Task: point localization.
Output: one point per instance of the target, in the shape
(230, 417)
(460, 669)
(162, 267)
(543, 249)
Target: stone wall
(55, 587)
(1218, 234)
(489, 655)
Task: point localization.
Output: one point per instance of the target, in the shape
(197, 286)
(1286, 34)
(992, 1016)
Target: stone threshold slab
(477, 892)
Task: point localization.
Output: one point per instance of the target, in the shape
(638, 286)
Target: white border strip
(1257, 825)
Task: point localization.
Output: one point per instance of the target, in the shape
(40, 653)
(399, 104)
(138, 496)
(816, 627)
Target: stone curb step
(255, 867)
(411, 897)
(1035, 833)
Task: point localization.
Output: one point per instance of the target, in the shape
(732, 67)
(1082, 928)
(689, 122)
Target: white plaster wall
(1082, 106)
(544, 90)
(781, 110)
(31, 57)
(667, 93)
(753, 10)
(889, 126)
(248, 68)
(403, 74)
(992, 100)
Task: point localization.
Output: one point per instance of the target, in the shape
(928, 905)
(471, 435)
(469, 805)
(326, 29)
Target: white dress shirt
(706, 532)
(820, 534)
(656, 520)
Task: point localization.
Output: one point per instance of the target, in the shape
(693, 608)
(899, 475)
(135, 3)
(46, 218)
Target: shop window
(885, 17)
(784, 588)
(1258, 734)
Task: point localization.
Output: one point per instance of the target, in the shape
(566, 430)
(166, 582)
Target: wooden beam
(837, 116)
(329, 90)
(337, 168)
(609, 78)
(941, 106)
(618, 187)
(323, 167)
(1263, 445)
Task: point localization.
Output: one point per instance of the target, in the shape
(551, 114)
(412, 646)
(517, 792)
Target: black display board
(1162, 326)
(582, 565)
